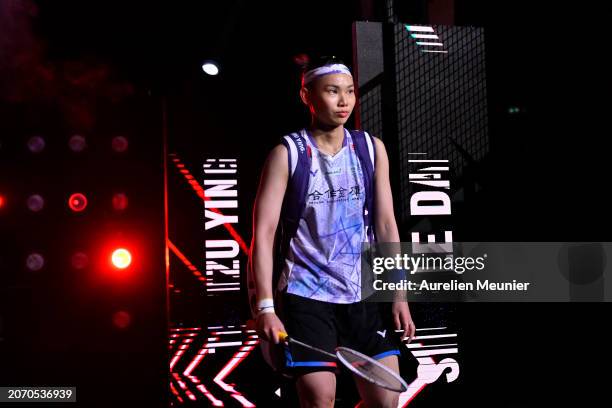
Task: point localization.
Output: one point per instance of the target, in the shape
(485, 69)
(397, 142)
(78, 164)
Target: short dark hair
(320, 61)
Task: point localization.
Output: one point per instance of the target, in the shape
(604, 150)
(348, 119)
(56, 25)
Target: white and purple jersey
(323, 261)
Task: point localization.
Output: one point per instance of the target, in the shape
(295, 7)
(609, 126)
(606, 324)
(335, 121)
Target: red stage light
(120, 201)
(79, 260)
(77, 202)
(122, 319)
(2, 201)
(120, 144)
(77, 143)
(121, 258)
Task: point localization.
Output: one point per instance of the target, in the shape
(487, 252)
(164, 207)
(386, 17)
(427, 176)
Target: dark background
(547, 182)
(545, 58)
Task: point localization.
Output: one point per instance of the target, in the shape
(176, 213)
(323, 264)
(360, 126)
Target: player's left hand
(403, 320)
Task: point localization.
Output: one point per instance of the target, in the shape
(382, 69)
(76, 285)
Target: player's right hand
(268, 325)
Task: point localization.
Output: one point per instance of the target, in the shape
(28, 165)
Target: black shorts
(325, 325)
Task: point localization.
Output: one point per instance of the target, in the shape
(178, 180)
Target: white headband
(324, 70)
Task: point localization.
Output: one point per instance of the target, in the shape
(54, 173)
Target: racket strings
(370, 369)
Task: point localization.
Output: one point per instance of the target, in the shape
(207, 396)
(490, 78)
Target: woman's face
(331, 99)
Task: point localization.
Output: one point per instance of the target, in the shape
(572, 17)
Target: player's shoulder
(288, 144)
(378, 142)
(276, 162)
(278, 152)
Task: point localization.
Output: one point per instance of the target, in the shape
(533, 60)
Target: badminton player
(317, 298)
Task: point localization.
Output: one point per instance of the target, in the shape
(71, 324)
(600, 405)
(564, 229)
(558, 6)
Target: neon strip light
(420, 28)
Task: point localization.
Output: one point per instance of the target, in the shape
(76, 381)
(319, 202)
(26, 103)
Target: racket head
(371, 370)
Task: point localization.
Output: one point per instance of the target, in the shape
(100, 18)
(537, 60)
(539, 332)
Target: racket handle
(282, 336)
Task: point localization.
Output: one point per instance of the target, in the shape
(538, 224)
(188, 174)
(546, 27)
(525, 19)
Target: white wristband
(267, 302)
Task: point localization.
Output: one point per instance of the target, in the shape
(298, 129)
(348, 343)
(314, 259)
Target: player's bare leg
(373, 396)
(317, 389)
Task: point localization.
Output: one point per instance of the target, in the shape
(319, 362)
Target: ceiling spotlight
(210, 67)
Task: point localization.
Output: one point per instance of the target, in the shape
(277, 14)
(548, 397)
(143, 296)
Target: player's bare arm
(386, 229)
(266, 214)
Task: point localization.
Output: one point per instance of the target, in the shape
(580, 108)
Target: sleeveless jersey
(323, 260)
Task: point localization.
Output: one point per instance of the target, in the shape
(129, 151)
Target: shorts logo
(314, 173)
(382, 333)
